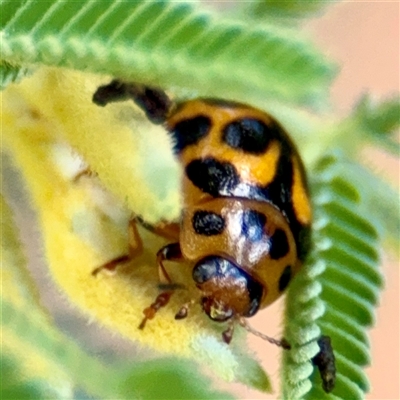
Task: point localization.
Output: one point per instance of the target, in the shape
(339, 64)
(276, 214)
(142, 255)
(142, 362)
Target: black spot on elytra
(213, 177)
(249, 135)
(285, 278)
(253, 225)
(221, 179)
(190, 131)
(279, 245)
(208, 223)
(279, 190)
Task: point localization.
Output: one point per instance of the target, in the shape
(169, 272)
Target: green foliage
(380, 122)
(174, 50)
(267, 9)
(375, 190)
(168, 379)
(13, 387)
(188, 51)
(251, 374)
(10, 73)
(335, 294)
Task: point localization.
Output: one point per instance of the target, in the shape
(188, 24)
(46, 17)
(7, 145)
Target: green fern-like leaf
(292, 9)
(336, 292)
(180, 382)
(382, 118)
(166, 43)
(10, 73)
(13, 387)
(380, 121)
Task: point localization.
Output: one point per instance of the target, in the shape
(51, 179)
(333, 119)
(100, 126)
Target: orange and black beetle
(246, 216)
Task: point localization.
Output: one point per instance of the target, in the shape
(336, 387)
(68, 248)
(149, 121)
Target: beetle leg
(135, 249)
(84, 172)
(183, 311)
(170, 252)
(154, 102)
(227, 334)
(167, 230)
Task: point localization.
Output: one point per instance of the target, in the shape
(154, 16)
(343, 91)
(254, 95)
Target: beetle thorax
(226, 290)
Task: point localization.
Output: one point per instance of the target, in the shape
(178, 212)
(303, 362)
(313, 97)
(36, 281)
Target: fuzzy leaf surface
(336, 292)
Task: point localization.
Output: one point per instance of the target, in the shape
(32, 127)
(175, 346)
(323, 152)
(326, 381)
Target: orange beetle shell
(244, 189)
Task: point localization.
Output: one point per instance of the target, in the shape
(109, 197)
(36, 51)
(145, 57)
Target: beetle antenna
(281, 343)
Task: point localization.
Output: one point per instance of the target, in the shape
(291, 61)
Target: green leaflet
(382, 118)
(375, 190)
(269, 9)
(380, 121)
(335, 293)
(171, 44)
(13, 387)
(252, 374)
(10, 73)
(169, 379)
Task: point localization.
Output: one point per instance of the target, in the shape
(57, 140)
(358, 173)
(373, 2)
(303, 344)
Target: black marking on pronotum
(212, 176)
(285, 278)
(224, 270)
(190, 131)
(279, 245)
(208, 223)
(253, 225)
(249, 135)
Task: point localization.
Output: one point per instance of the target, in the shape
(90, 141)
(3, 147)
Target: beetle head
(227, 290)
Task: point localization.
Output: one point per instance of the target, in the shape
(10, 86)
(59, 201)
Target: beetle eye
(205, 270)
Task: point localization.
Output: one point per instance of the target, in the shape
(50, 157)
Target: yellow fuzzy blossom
(53, 131)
